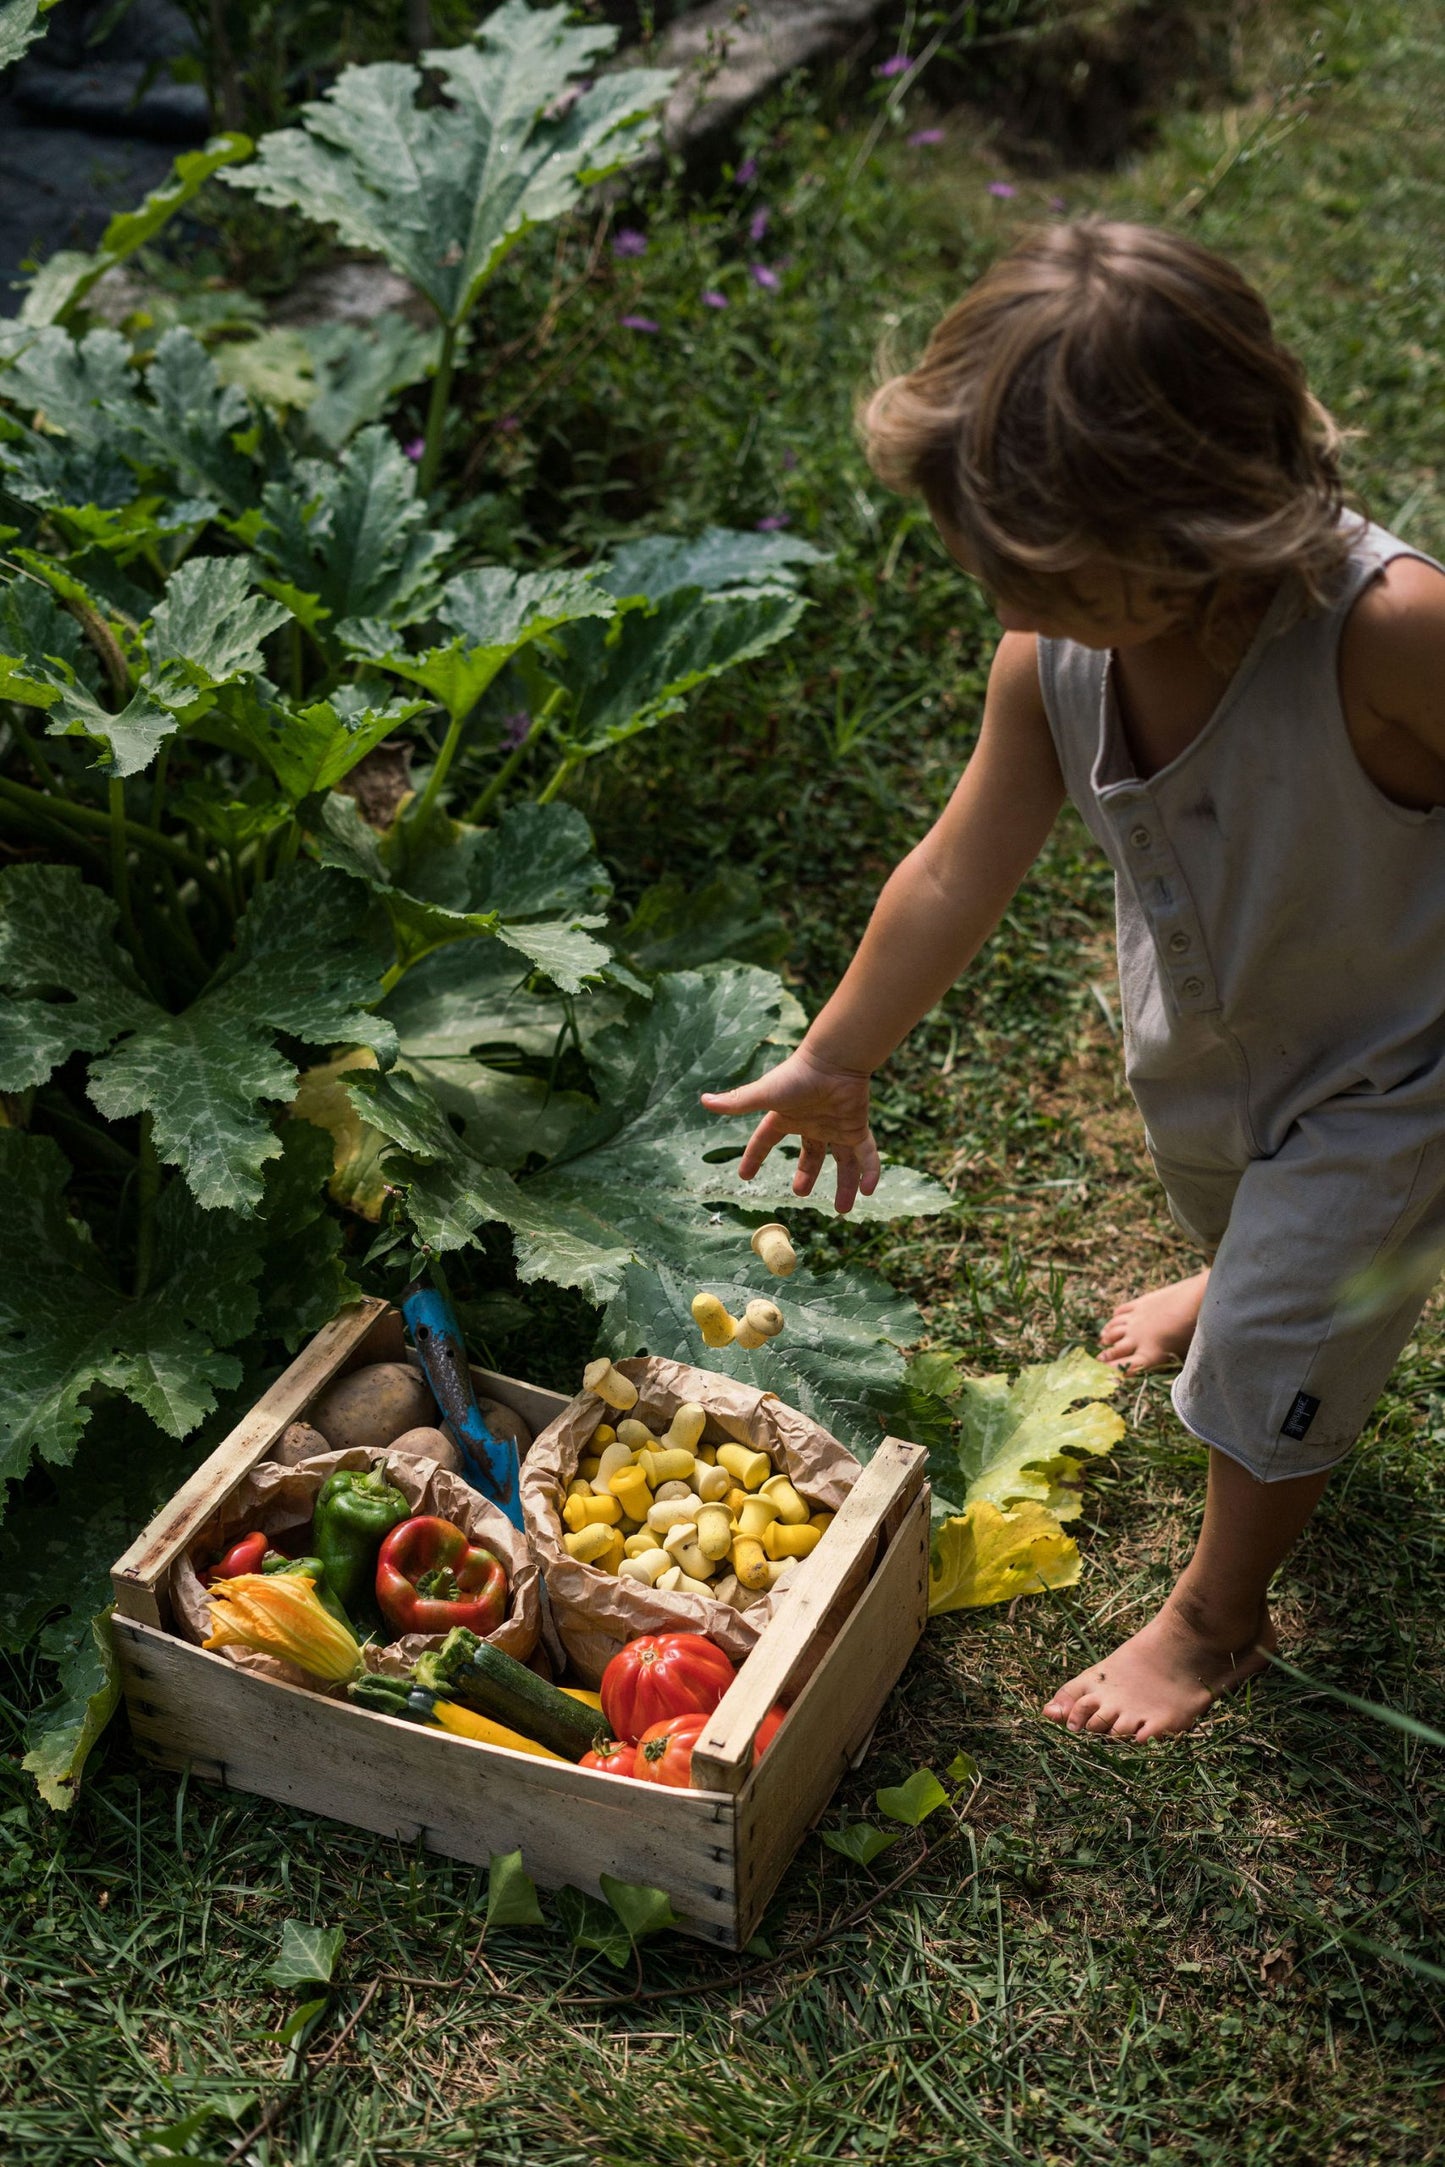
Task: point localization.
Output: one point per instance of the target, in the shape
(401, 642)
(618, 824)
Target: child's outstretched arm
(935, 912)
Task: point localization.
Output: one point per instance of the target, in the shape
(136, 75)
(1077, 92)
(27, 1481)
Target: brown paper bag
(278, 1499)
(596, 1613)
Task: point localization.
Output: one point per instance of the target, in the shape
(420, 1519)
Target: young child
(1242, 689)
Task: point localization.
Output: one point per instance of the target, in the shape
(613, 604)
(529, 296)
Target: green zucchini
(482, 1678)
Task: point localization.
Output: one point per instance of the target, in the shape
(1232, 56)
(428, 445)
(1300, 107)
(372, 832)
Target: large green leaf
(67, 277)
(68, 987)
(1023, 1441)
(208, 627)
(355, 534)
(676, 928)
(476, 999)
(312, 748)
(359, 369)
(21, 23)
(495, 614)
(61, 1732)
(627, 676)
(658, 564)
(443, 191)
(838, 1358)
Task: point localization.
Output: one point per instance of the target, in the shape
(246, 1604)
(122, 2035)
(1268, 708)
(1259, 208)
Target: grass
(1169, 1955)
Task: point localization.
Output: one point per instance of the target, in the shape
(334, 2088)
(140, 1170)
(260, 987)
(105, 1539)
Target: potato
(373, 1406)
(298, 1441)
(506, 1422)
(424, 1444)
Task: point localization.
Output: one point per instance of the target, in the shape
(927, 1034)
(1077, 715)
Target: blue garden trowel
(489, 1463)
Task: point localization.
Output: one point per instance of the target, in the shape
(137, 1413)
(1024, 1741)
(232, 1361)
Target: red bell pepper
(243, 1557)
(430, 1577)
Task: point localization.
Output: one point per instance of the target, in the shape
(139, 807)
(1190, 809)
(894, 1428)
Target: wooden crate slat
(137, 1577)
(832, 1718)
(787, 1645)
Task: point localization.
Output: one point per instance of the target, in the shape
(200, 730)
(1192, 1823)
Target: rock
(115, 97)
(380, 782)
(350, 293)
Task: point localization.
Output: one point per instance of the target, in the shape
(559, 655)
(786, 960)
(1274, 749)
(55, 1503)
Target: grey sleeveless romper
(1281, 931)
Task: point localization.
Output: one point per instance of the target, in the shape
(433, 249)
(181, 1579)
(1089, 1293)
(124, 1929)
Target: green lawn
(1213, 1950)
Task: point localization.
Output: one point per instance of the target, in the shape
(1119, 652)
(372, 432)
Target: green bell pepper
(353, 1513)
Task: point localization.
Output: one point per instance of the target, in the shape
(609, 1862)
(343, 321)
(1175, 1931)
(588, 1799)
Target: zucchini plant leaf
(355, 534)
(838, 1359)
(658, 564)
(58, 934)
(511, 1893)
(629, 675)
(307, 1956)
(62, 1730)
(21, 23)
(677, 928)
(443, 191)
(477, 999)
(983, 1556)
(495, 614)
(64, 280)
(1023, 1441)
(359, 368)
(308, 749)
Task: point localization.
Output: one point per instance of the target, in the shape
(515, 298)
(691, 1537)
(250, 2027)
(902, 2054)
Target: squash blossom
(281, 1614)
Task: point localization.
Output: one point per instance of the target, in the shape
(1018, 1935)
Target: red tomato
(614, 1756)
(661, 1675)
(767, 1732)
(664, 1751)
(243, 1557)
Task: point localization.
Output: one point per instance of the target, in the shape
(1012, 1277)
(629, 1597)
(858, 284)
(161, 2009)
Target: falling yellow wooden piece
(986, 1556)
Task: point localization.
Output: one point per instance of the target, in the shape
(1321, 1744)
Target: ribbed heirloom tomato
(661, 1675)
(664, 1752)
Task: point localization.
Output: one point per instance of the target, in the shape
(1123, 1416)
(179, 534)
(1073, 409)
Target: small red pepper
(429, 1577)
(243, 1557)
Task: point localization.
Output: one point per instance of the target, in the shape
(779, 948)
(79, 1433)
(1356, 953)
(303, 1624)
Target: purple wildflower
(1057, 203)
(414, 448)
(747, 171)
(627, 241)
(1002, 189)
(509, 424)
(762, 276)
(899, 64)
(790, 458)
(926, 135)
(639, 323)
(515, 729)
(771, 524)
(757, 225)
(713, 299)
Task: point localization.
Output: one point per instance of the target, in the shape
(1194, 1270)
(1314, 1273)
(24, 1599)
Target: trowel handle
(489, 1463)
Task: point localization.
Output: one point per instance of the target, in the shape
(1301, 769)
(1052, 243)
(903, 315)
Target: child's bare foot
(1154, 1328)
(1162, 1680)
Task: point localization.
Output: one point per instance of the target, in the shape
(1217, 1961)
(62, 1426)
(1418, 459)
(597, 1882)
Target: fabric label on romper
(1296, 1423)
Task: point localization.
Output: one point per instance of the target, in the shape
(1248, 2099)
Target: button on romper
(1281, 932)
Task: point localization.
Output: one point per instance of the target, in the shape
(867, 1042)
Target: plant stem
(420, 818)
(88, 817)
(158, 786)
(147, 1190)
(487, 798)
(31, 750)
(436, 413)
(559, 776)
(392, 979)
(119, 863)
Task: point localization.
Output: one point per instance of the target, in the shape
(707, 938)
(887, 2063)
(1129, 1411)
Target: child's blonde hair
(1113, 390)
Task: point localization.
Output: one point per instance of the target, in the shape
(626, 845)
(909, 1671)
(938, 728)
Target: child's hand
(827, 1107)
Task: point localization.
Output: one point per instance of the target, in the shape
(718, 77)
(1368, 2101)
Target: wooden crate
(834, 1650)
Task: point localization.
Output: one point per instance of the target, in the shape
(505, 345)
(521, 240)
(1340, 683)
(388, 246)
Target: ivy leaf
(67, 277)
(590, 1924)
(355, 534)
(912, 1802)
(1021, 1441)
(629, 675)
(860, 1841)
(444, 191)
(62, 1730)
(659, 564)
(511, 1893)
(984, 1556)
(642, 1910)
(307, 1956)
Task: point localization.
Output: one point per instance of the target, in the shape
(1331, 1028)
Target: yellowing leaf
(1022, 1441)
(357, 1181)
(986, 1556)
